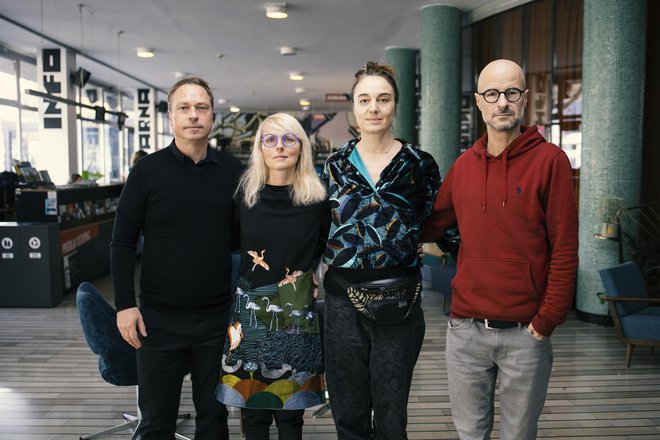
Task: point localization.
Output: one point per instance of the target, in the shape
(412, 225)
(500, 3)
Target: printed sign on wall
(145, 107)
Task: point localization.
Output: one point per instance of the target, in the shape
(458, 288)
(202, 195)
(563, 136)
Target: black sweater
(184, 211)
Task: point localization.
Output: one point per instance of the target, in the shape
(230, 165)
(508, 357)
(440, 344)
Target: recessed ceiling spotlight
(219, 55)
(234, 109)
(143, 52)
(287, 50)
(295, 76)
(179, 75)
(305, 107)
(300, 90)
(276, 11)
(305, 102)
(221, 100)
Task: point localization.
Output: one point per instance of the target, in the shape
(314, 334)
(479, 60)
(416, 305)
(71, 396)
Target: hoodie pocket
(499, 283)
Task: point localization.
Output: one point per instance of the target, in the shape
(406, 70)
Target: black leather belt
(495, 324)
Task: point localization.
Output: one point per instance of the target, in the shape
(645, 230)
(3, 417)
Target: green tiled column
(612, 117)
(441, 83)
(404, 62)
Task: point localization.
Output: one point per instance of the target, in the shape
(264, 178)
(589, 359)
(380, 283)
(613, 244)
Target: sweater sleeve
(562, 229)
(442, 216)
(129, 221)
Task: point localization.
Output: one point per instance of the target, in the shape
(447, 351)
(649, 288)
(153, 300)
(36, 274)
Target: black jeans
(178, 343)
(256, 423)
(369, 367)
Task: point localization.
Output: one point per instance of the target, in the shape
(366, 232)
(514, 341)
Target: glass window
(7, 79)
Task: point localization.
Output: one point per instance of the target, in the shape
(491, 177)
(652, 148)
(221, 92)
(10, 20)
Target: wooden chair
(636, 320)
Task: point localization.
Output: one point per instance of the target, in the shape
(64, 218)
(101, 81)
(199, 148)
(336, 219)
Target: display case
(84, 216)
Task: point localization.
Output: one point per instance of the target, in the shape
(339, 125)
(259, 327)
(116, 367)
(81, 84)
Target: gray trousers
(476, 358)
(369, 367)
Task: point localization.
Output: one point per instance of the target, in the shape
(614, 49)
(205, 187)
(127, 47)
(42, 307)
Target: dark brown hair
(191, 80)
(374, 69)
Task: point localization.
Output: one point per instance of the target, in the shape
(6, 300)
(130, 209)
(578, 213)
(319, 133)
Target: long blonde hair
(307, 187)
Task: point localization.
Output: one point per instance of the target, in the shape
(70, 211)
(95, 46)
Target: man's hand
(420, 250)
(537, 335)
(129, 321)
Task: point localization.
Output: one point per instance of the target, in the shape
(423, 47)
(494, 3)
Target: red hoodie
(518, 223)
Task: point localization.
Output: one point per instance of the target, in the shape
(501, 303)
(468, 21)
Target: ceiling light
(143, 52)
(300, 90)
(305, 102)
(221, 100)
(276, 11)
(287, 50)
(305, 107)
(179, 75)
(295, 76)
(234, 109)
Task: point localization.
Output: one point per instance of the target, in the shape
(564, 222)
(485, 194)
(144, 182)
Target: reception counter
(82, 218)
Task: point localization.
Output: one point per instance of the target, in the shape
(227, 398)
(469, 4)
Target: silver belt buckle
(487, 325)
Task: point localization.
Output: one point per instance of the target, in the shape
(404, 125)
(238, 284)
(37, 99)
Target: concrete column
(612, 119)
(404, 61)
(441, 83)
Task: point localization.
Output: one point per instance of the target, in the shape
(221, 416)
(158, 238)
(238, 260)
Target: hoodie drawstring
(503, 177)
(485, 177)
(505, 160)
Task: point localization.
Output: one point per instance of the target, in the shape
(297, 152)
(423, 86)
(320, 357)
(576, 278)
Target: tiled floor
(50, 388)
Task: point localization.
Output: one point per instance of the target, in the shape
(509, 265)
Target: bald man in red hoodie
(511, 195)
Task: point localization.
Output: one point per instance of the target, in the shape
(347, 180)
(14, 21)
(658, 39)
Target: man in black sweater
(180, 198)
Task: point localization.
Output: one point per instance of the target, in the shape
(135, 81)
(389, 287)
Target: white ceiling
(334, 38)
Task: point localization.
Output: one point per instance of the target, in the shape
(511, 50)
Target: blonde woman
(272, 361)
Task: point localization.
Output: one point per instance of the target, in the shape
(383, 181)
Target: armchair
(636, 320)
(117, 360)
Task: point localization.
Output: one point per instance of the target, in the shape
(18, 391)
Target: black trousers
(369, 367)
(256, 423)
(178, 343)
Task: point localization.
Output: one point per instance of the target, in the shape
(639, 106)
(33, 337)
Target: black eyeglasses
(289, 140)
(491, 96)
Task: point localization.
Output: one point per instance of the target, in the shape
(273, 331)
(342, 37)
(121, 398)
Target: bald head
(502, 96)
(500, 71)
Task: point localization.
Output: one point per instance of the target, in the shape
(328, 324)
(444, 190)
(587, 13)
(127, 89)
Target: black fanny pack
(388, 301)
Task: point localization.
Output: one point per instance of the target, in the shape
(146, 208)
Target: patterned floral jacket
(378, 228)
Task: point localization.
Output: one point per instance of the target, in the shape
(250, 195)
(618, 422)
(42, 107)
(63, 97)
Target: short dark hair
(190, 80)
(375, 69)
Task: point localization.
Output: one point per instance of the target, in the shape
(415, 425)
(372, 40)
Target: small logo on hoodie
(518, 190)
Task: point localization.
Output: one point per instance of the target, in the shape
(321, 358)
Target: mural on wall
(235, 132)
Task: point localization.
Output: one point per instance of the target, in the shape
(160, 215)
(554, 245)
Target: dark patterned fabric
(379, 228)
(272, 357)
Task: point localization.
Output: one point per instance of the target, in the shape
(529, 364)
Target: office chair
(117, 360)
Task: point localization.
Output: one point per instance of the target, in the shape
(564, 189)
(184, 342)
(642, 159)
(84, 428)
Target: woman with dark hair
(380, 191)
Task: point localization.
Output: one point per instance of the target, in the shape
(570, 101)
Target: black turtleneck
(184, 211)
